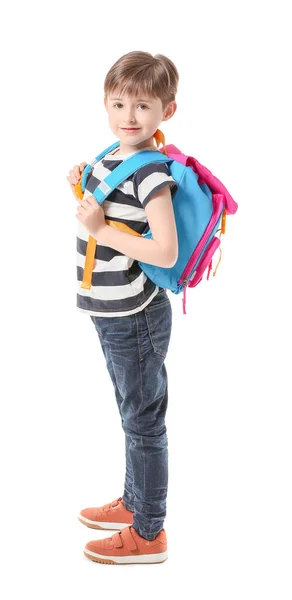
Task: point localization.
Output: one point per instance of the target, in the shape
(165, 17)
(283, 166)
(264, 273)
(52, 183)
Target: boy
(132, 316)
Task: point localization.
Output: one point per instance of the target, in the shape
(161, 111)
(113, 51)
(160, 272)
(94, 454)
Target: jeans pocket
(158, 316)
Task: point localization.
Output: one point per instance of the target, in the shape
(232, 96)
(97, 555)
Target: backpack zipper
(218, 203)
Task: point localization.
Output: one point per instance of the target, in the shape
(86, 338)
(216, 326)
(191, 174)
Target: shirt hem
(120, 314)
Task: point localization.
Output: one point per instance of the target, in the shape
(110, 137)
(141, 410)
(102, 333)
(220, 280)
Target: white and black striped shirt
(119, 287)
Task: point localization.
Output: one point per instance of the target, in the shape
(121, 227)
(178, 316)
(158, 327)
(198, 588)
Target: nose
(129, 118)
(129, 121)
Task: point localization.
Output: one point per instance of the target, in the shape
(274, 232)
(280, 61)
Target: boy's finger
(76, 171)
(72, 178)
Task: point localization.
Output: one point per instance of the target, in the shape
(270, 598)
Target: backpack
(200, 206)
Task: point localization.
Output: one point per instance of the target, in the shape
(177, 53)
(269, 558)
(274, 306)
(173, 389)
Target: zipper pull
(209, 268)
(218, 263)
(184, 300)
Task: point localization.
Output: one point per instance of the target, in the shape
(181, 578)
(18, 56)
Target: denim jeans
(135, 347)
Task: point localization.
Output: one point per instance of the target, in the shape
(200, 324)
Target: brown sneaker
(128, 547)
(110, 516)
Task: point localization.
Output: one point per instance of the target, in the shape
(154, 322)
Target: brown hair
(141, 73)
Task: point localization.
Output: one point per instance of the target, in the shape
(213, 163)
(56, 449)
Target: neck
(148, 144)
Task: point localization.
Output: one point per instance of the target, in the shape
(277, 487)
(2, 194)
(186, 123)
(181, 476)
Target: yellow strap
(122, 227)
(90, 252)
(78, 190)
(89, 262)
(223, 222)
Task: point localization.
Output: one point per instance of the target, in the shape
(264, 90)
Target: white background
(229, 416)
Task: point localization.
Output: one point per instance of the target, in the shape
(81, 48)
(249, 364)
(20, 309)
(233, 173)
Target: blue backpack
(200, 205)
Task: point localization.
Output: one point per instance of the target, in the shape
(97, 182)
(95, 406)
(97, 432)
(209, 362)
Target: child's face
(142, 113)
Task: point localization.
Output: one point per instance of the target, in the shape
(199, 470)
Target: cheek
(112, 115)
(143, 117)
(150, 117)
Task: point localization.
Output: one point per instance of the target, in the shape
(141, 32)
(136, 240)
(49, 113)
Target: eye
(119, 104)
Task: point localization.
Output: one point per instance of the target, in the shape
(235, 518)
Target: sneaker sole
(127, 560)
(102, 524)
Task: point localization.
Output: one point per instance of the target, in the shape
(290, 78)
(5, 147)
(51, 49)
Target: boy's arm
(162, 250)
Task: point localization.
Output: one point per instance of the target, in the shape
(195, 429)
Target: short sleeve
(151, 178)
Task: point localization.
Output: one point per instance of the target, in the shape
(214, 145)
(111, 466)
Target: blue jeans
(135, 347)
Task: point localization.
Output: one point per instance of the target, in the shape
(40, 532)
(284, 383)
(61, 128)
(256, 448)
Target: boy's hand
(91, 214)
(75, 176)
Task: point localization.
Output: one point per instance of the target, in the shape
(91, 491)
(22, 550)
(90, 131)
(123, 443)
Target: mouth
(130, 128)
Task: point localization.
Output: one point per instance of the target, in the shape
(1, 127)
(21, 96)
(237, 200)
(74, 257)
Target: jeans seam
(138, 427)
(137, 329)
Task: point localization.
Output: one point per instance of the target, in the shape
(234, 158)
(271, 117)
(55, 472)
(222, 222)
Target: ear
(169, 111)
(105, 103)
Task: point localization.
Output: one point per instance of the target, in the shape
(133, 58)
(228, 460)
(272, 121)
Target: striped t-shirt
(119, 287)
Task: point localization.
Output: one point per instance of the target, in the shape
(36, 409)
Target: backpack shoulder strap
(123, 171)
(94, 161)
